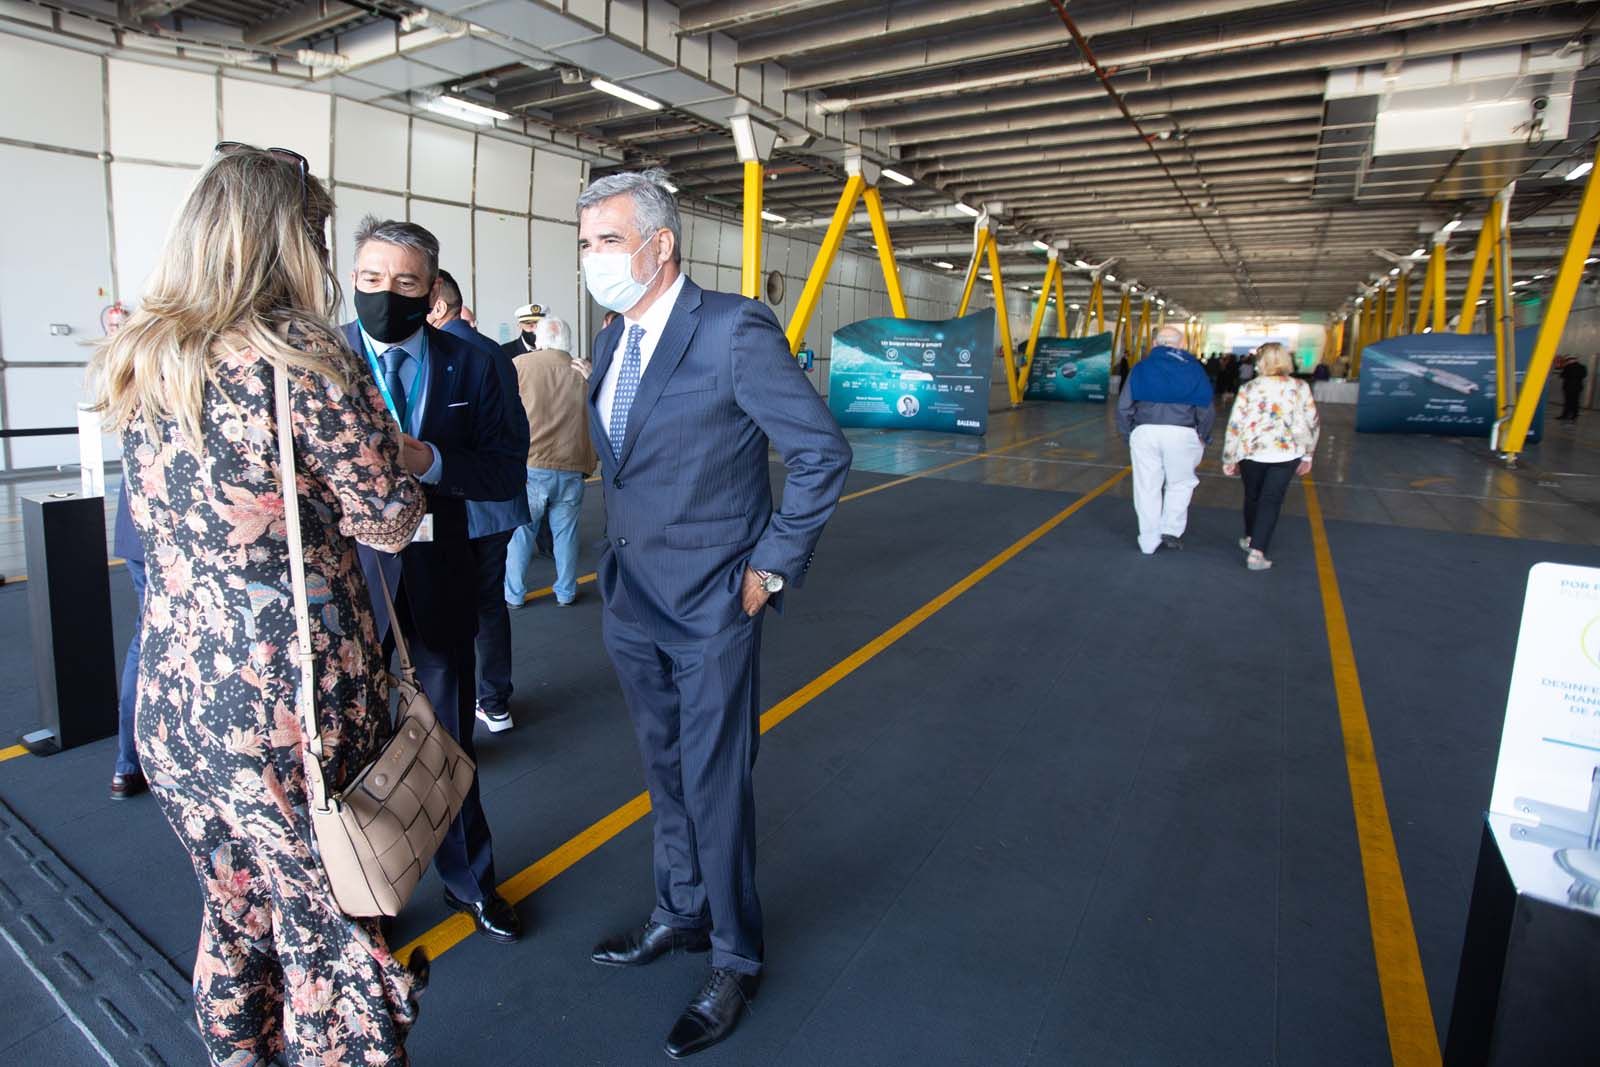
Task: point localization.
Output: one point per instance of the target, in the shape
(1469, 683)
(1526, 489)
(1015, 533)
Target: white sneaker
(498, 722)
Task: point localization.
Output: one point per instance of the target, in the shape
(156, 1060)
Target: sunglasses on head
(295, 160)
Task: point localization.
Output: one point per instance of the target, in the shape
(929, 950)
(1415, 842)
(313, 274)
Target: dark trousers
(494, 621)
(128, 696)
(695, 710)
(465, 860)
(1265, 485)
(1569, 402)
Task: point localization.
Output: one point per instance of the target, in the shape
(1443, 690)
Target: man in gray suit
(688, 389)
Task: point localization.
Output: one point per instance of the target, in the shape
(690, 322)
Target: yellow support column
(1061, 303)
(1579, 242)
(1425, 298)
(1120, 340)
(755, 179)
(1381, 322)
(1440, 277)
(1480, 267)
(1401, 304)
(880, 234)
(1095, 296)
(1504, 315)
(980, 244)
(806, 306)
(1003, 320)
(1051, 274)
(1098, 298)
(1142, 345)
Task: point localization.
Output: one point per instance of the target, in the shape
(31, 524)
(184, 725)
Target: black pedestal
(69, 607)
(1529, 984)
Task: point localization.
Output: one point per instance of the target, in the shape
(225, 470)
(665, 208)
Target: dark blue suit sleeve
(772, 389)
(492, 466)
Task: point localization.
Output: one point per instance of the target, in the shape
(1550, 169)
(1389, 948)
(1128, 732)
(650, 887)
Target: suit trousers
(696, 714)
(494, 622)
(128, 697)
(465, 860)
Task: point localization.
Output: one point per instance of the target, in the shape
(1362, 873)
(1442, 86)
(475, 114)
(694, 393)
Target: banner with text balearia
(1071, 368)
(913, 374)
(1437, 383)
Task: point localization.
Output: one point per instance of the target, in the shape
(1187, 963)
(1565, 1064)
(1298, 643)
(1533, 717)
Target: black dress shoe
(651, 941)
(127, 785)
(494, 918)
(713, 1013)
(1168, 541)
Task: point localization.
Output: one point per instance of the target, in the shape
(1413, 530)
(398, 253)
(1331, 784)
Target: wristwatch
(771, 581)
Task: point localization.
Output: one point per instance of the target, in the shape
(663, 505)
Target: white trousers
(1164, 460)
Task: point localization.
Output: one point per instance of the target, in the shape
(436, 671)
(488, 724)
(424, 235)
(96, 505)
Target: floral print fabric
(279, 969)
(1272, 416)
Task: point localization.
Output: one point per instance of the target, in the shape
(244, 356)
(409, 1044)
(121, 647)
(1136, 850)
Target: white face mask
(609, 276)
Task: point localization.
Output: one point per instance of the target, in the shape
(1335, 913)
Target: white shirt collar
(379, 348)
(654, 320)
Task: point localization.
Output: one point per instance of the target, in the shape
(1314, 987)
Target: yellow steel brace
(1579, 242)
(1061, 304)
(880, 234)
(978, 248)
(806, 306)
(755, 177)
(1051, 273)
(1004, 321)
(1504, 383)
(1480, 267)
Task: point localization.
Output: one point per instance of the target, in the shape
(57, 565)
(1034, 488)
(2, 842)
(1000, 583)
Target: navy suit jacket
(472, 421)
(496, 516)
(689, 500)
(125, 541)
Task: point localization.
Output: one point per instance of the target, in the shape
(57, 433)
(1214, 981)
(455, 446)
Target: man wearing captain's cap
(527, 316)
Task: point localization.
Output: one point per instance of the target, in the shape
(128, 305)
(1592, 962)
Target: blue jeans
(127, 755)
(560, 493)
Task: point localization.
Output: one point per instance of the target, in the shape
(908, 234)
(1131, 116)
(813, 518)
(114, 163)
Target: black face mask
(390, 317)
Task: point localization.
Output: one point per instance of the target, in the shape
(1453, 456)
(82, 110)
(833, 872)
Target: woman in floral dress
(242, 288)
(1272, 434)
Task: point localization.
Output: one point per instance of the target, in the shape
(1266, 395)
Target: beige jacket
(553, 395)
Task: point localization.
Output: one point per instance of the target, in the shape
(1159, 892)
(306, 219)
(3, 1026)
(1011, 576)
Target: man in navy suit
(490, 524)
(462, 439)
(688, 389)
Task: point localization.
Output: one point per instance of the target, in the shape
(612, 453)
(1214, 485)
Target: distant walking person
(1271, 436)
(1166, 415)
(242, 293)
(1573, 372)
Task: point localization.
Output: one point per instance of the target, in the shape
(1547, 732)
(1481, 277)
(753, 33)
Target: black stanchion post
(69, 607)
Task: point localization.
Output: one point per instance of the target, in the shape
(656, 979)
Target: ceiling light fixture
(773, 217)
(1041, 246)
(896, 176)
(967, 209)
(1081, 265)
(622, 93)
(456, 108)
(942, 265)
(1579, 171)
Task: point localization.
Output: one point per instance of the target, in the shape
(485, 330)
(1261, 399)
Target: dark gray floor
(1094, 811)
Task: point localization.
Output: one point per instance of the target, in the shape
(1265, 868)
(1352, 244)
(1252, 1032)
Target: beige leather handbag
(379, 833)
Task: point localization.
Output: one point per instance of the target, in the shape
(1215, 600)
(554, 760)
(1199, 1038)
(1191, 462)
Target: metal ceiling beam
(1220, 161)
(695, 19)
(1283, 134)
(306, 20)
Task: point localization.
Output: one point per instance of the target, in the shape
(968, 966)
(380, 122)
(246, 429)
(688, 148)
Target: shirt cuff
(431, 475)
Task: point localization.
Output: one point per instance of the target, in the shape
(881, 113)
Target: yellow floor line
(446, 935)
(12, 753)
(1413, 1041)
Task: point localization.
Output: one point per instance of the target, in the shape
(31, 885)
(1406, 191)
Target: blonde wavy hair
(243, 268)
(1274, 359)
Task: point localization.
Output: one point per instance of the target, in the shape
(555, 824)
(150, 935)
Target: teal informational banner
(1071, 368)
(912, 374)
(1436, 383)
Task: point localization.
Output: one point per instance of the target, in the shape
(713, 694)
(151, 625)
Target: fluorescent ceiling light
(986, 276)
(1074, 307)
(1516, 284)
(771, 216)
(622, 93)
(941, 264)
(1590, 261)
(1415, 252)
(1111, 277)
(1081, 265)
(1579, 171)
(1451, 226)
(1025, 288)
(1394, 271)
(457, 108)
(1160, 303)
(967, 209)
(896, 176)
(1041, 246)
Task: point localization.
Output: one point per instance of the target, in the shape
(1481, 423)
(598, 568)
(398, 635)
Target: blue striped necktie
(627, 388)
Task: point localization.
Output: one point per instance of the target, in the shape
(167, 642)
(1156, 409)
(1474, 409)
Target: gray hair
(1168, 335)
(550, 332)
(404, 234)
(653, 206)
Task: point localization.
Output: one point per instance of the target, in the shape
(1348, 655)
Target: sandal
(1257, 562)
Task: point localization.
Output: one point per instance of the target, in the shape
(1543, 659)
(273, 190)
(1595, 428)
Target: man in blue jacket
(465, 439)
(490, 524)
(1165, 413)
(688, 389)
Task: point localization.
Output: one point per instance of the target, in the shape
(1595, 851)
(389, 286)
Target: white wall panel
(502, 261)
(145, 199)
(55, 266)
(555, 269)
(43, 396)
(441, 161)
(158, 113)
(453, 227)
(370, 145)
(504, 174)
(71, 114)
(557, 181)
(270, 116)
(349, 205)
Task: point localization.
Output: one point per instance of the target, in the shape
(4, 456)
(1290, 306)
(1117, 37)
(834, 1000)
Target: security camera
(1540, 103)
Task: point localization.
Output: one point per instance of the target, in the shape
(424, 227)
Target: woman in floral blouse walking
(1272, 434)
(243, 288)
